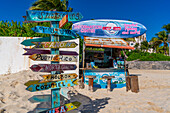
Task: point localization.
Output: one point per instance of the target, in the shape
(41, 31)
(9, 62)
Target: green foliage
(21, 30)
(145, 56)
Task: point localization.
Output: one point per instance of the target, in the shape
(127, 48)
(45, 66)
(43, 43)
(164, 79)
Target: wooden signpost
(48, 57)
(40, 51)
(63, 109)
(52, 67)
(56, 31)
(55, 80)
(54, 44)
(52, 85)
(58, 77)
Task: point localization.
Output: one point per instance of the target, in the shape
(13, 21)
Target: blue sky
(151, 13)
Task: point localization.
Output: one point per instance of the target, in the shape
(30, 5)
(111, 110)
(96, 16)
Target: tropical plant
(167, 27)
(144, 46)
(154, 42)
(51, 5)
(136, 46)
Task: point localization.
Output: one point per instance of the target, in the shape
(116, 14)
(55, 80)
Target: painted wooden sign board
(55, 31)
(54, 44)
(52, 85)
(58, 77)
(58, 58)
(52, 67)
(35, 15)
(105, 41)
(40, 98)
(117, 82)
(63, 21)
(109, 28)
(40, 51)
(63, 109)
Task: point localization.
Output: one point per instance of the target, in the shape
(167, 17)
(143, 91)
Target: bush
(145, 56)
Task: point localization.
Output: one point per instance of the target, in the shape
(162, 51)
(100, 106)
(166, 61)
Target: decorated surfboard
(40, 51)
(58, 77)
(63, 109)
(52, 85)
(56, 31)
(52, 67)
(54, 44)
(43, 16)
(109, 28)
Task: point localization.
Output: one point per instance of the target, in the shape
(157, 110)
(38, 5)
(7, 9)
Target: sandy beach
(154, 95)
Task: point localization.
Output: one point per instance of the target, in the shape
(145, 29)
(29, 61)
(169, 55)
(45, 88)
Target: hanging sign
(109, 28)
(52, 85)
(63, 21)
(56, 31)
(105, 41)
(54, 44)
(59, 58)
(52, 67)
(35, 15)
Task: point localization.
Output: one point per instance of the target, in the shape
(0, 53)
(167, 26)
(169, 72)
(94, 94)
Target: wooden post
(55, 93)
(128, 83)
(91, 78)
(108, 81)
(134, 84)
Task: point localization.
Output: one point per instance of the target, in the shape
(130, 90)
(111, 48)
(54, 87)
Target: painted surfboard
(109, 28)
(40, 51)
(55, 31)
(63, 109)
(57, 77)
(52, 85)
(44, 16)
(58, 58)
(52, 67)
(44, 39)
(54, 44)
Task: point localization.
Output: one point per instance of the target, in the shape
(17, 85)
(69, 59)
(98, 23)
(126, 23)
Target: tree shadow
(87, 104)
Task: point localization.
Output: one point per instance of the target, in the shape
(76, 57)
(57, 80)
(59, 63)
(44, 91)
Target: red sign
(63, 21)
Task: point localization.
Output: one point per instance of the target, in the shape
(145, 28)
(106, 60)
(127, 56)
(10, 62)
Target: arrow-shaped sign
(44, 39)
(35, 15)
(52, 67)
(40, 51)
(58, 58)
(52, 85)
(63, 109)
(56, 31)
(55, 44)
(40, 98)
(58, 77)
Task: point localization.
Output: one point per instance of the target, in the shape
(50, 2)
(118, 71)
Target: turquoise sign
(109, 28)
(35, 15)
(56, 31)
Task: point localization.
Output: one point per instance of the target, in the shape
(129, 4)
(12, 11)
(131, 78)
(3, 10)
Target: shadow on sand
(87, 105)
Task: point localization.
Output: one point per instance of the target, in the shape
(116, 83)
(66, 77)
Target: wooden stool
(108, 81)
(132, 83)
(90, 81)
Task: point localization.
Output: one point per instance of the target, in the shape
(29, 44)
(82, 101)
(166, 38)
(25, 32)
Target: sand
(154, 95)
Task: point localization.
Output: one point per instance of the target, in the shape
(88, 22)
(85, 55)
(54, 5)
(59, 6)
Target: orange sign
(63, 21)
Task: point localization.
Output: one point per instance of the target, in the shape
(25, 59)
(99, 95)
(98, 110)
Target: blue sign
(35, 15)
(109, 28)
(56, 31)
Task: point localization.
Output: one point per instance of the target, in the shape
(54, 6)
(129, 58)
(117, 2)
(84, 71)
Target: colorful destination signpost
(40, 51)
(52, 85)
(109, 28)
(58, 77)
(52, 30)
(55, 80)
(63, 109)
(43, 16)
(54, 44)
(48, 57)
(52, 67)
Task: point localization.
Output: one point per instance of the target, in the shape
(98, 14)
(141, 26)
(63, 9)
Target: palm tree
(51, 5)
(154, 42)
(144, 46)
(167, 27)
(162, 36)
